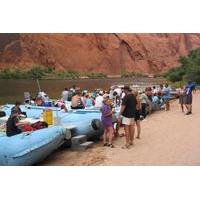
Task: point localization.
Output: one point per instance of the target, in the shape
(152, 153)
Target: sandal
(131, 143)
(126, 146)
(121, 135)
(111, 145)
(105, 144)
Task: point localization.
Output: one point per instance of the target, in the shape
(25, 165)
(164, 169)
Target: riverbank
(167, 138)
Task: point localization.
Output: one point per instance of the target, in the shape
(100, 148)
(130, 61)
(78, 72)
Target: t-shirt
(105, 118)
(129, 101)
(11, 127)
(166, 92)
(99, 101)
(65, 95)
(189, 89)
(88, 102)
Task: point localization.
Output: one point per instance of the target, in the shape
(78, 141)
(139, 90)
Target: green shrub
(126, 74)
(194, 74)
(95, 75)
(12, 74)
(35, 73)
(175, 74)
(189, 68)
(49, 70)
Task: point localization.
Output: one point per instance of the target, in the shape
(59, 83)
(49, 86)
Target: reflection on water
(12, 90)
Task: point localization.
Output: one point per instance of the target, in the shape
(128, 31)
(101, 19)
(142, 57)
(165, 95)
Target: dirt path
(168, 138)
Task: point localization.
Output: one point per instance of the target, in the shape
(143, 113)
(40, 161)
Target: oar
(38, 85)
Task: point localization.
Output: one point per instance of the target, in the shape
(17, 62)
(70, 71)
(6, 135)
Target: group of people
(133, 108)
(135, 105)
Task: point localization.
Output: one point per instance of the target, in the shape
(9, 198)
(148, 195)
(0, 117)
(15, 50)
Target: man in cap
(127, 115)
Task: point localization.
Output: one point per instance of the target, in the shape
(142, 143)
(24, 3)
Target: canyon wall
(111, 53)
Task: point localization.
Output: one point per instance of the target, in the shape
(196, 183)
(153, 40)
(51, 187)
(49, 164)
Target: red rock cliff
(107, 53)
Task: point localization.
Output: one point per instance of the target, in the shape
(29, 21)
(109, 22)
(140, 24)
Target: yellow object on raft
(48, 116)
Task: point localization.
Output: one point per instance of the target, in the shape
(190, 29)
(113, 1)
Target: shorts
(128, 121)
(188, 99)
(166, 99)
(182, 99)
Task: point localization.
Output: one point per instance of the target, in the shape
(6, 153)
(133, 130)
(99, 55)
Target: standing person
(182, 97)
(188, 99)
(106, 119)
(127, 115)
(166, 96)
(144, 102)
(137, 114)
(88, 101)
(64, 95)
(99, 100)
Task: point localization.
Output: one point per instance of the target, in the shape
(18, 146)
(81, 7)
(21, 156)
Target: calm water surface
(12, 90)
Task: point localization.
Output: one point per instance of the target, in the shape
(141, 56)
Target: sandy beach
(167, 138)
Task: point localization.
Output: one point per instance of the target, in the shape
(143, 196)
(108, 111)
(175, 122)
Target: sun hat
(106, 96)
(101, 92)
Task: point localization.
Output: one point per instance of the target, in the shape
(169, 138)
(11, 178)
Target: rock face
(107, 53)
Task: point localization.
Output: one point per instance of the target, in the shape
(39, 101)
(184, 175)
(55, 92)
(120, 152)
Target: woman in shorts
(106, 119)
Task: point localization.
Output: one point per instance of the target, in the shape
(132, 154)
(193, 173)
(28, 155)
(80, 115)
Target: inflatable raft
(86, 121)
(29, 148)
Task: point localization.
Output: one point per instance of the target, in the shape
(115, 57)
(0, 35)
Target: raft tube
(28, 149)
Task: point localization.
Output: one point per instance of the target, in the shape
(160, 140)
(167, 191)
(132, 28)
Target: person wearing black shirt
(127, 115)
(11, 127)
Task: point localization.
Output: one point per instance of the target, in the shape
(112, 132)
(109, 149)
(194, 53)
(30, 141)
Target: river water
(12, 90)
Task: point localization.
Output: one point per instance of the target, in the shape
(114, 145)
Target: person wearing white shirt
(65, 94)
(99, 100)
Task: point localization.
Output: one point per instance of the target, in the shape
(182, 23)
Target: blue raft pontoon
(30, 148)
(86, 121)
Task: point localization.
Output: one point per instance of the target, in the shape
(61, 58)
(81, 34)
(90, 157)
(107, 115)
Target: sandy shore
(167, 138)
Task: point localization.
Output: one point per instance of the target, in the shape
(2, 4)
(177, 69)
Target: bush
(126, 74)
(36, 73)
(67, 74)
(72, 74)
(95, 75)
(49, 70)
(175, 74)
(12, 74)
(189, 68)
(194, 74)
